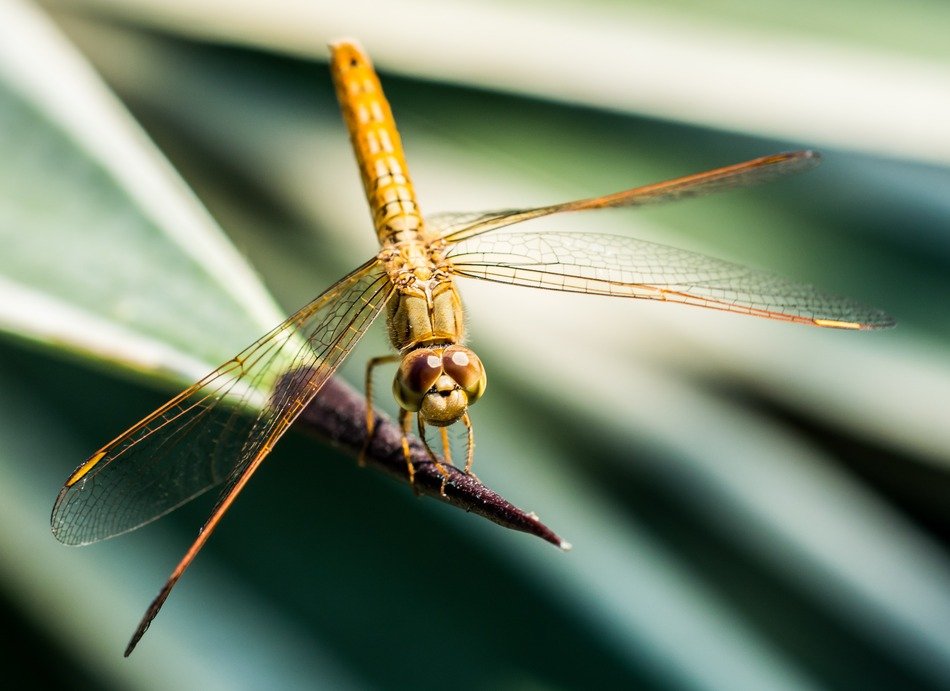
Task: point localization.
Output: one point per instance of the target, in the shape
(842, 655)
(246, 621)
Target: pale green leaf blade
(106, 252)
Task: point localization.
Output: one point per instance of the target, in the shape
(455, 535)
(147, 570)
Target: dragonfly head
(439, 383)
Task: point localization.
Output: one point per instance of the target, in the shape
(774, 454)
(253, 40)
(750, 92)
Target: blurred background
(753, 505)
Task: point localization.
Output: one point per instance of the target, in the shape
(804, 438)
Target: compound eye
(416, 375)
(466, 369)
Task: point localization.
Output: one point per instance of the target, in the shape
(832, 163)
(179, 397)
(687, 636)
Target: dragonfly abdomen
(376, 142)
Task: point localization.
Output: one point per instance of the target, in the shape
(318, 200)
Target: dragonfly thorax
(426, 308)
(439, 382)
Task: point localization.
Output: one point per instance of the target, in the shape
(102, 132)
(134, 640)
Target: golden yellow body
(427, 309)
(438, 378)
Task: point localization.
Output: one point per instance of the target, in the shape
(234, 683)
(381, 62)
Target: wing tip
(84, 469)
(876, 323)
(802, 160)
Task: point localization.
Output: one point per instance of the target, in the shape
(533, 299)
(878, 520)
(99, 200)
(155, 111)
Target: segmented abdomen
(376, 142)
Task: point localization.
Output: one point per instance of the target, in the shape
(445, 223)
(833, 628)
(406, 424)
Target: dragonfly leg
(446, 445)
(370, 412)
(405, 420)
(470, 445)
(435, 459)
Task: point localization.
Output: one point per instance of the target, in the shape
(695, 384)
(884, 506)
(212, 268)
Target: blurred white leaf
(679, 65)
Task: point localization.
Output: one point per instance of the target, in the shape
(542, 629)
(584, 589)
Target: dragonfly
(220, 429)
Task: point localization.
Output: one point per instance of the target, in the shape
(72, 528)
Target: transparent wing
(447, 223)
(455, 227)
(625, 267)
(213, 430)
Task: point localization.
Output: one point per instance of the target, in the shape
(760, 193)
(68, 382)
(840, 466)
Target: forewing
(625, 267)
(211, 431)
(455, 227)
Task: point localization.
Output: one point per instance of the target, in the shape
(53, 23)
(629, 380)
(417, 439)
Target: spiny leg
(435, 459)
(446, 445)
(405, 420)
(370, 413)
(470, 447)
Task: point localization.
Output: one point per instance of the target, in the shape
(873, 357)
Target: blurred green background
(753, 505)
